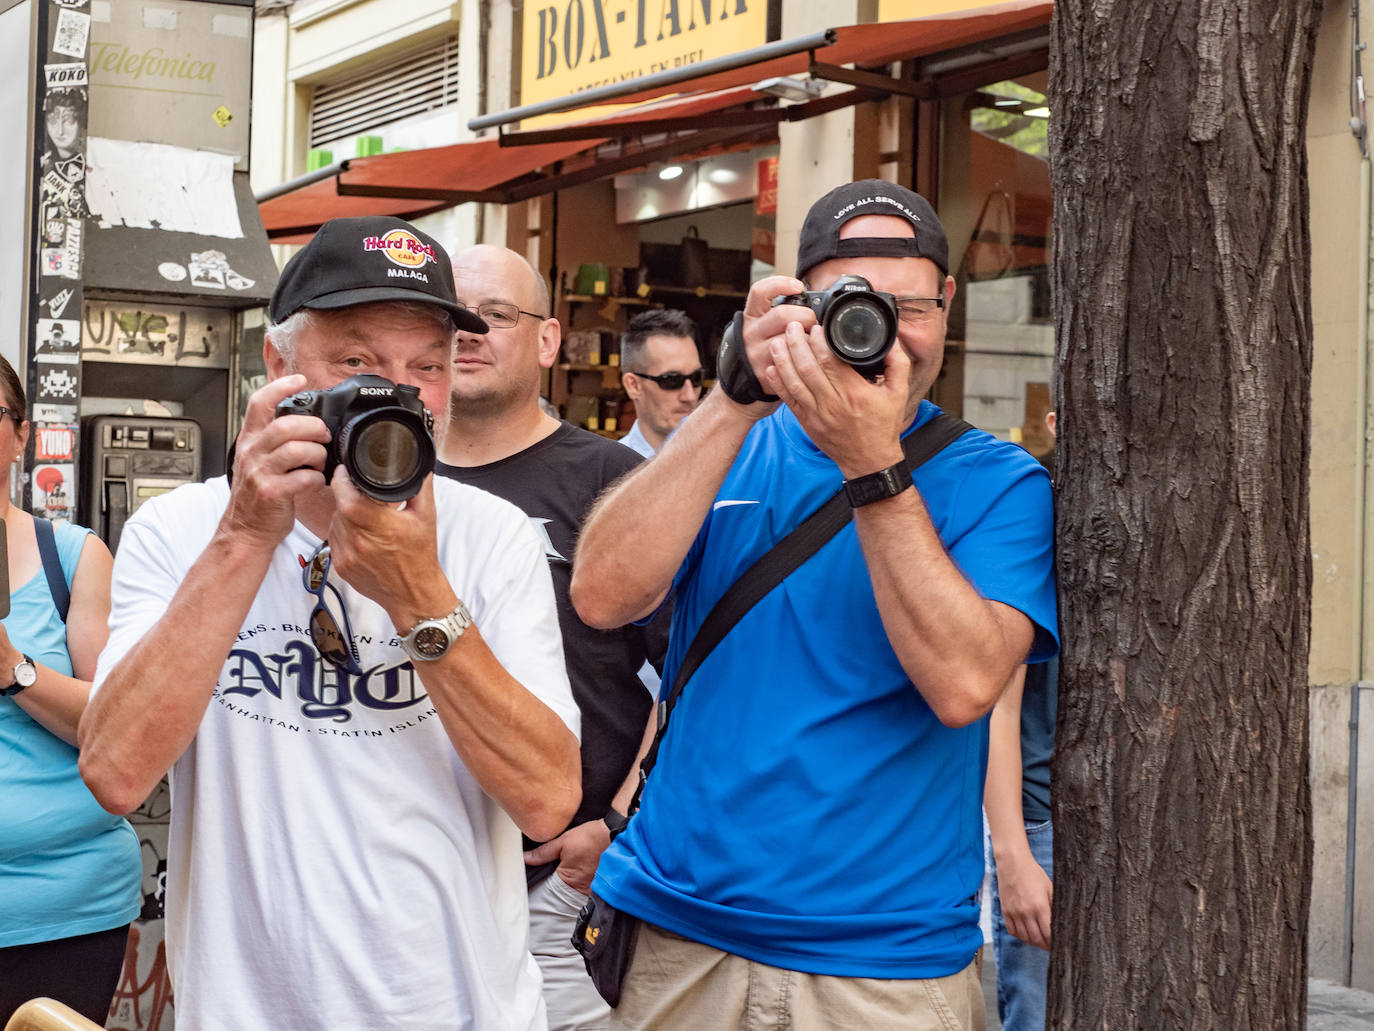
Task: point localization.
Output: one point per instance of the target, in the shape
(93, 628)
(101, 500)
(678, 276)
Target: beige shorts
(686, 986)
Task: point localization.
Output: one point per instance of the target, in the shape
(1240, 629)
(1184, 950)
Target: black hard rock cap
(820, 233)
(363, 260)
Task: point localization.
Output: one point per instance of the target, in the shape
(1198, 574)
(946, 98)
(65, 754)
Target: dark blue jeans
(1022, 970)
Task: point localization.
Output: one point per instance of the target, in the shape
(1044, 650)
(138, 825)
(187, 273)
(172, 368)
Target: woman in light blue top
(70, 873)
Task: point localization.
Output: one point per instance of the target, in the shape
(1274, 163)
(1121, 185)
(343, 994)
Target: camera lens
(387, 453)
(858, 330)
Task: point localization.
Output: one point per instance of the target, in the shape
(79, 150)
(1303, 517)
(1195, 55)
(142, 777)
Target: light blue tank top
(67, 867)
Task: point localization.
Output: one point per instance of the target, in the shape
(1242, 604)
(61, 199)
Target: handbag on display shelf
(694, 261)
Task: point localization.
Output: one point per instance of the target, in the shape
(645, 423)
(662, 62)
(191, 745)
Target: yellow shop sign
(575, 45)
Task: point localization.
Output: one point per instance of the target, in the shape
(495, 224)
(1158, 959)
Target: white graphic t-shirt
(332, 863)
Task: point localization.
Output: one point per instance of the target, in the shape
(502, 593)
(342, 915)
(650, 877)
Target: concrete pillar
(1342, 606)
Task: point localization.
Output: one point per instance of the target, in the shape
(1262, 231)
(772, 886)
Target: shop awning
(407, 184)
(412, 183)
(683, 111)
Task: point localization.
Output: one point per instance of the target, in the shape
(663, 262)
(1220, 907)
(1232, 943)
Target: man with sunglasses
(662, 375)
(363, 703)
(808, 850)
(498, 439)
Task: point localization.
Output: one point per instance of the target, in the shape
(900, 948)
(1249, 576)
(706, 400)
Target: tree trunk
(1181, 802)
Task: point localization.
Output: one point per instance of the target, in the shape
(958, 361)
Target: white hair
(284, 335)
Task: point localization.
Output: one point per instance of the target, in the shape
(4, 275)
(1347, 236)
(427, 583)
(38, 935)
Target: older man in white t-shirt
(361, 695)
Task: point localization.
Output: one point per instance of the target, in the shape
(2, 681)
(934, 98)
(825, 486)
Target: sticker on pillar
(57, 383)
(53, 443)
(56, 191)
(54, 225)
(222, 116)
(52, 491)
(54, 413)
(57, 303)
(55, 262)
(59, 340)
(65, 76)
(236, 281)
(73, 28)
(171, 271)
(70, 3)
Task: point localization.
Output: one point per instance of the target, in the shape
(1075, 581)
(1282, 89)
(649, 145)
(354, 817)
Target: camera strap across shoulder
(775, 565)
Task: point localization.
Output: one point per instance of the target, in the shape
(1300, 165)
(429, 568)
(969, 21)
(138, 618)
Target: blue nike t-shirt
(807, 809)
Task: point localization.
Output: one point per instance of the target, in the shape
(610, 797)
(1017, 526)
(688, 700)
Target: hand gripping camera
(860, 323)
(379, 431)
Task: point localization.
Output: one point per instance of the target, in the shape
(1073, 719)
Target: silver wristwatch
(431, 638)
(25, 675)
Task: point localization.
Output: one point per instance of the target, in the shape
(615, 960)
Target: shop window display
(996, 205)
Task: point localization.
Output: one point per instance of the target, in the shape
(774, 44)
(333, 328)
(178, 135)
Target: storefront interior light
(668, 172)
(790, 88)
(1006, 102)
(1037, 112)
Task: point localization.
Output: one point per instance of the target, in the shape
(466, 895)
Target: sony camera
(379, 431)
(860, 323)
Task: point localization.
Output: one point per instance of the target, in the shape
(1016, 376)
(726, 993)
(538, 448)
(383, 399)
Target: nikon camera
(379, 431)
(860, 323)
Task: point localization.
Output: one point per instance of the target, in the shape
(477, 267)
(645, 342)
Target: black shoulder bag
(603, 934)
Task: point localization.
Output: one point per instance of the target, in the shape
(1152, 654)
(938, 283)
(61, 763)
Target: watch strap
(615, 821)
(879, 486)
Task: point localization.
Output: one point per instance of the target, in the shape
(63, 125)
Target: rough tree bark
(1181, 802)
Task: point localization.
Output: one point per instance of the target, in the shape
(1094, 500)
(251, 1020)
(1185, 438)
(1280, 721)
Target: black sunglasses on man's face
(673, 380)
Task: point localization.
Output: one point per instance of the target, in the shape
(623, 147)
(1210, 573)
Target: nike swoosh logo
(726, 504)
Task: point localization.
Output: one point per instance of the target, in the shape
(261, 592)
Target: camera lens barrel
(387, 452)
(860, 330)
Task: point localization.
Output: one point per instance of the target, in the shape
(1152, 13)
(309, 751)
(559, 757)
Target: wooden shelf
(703, 292)
(603, 298)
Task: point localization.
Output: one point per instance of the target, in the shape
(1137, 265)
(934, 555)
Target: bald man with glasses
(500, 440)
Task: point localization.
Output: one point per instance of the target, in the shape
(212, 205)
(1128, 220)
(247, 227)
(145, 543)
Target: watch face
(25, 674)
(431, 641)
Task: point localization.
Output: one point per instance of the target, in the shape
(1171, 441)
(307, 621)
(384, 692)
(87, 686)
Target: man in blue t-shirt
(809, 849)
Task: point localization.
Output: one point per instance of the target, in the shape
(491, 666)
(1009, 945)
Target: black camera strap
(775, 565)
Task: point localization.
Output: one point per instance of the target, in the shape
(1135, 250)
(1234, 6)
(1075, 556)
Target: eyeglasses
(915, 310)
(18, 417)
(673, 380)
(499, 314)
(329, 641)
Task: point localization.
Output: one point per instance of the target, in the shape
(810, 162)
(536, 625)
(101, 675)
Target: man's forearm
(638, 534)
(515, 746)
(957, 647)
(628, 787)
(150, 705)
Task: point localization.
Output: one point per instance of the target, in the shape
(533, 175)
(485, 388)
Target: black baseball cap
(820, 233)
(362, 260)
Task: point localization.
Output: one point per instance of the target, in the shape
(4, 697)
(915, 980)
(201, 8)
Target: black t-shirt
(555, 482)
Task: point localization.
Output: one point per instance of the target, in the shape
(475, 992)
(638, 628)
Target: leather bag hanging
(694, 260)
